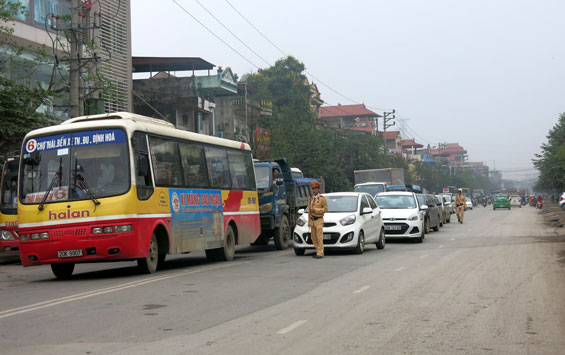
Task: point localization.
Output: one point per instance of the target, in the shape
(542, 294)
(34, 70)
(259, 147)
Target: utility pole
(82, 34)
(76, 49)
(386, 125)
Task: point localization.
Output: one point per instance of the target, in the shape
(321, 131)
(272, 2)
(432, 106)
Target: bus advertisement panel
(9, 243)
(127, 187)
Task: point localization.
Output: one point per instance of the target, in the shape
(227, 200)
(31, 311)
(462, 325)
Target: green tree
(297, 135)
(551, 161)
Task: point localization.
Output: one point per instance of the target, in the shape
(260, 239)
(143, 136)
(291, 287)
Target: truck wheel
(63, 271)
(281, 235)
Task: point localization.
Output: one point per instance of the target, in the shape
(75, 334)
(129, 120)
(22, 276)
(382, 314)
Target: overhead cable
(233, 34)
(215, 35)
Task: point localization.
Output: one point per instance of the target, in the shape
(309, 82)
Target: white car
(562, 201)
(352, 221)
(402, 216)
(516, 200)
(468, 204)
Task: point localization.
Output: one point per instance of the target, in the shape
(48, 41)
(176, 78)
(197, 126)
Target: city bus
(122, 186)
(9, 243)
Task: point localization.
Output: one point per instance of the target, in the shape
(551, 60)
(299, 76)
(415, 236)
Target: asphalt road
(493, 285)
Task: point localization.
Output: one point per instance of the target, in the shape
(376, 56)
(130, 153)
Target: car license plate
(392, 227)
(327, 236)
(69, 253)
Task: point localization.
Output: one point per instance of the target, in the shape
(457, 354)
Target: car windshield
(501, 198)
(370, 189)
(422, 200)
(396, 201)
(262, 177)
(74, 166)
(338, 204)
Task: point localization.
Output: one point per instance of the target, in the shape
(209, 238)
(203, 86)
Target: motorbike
(484, 203)
(539, 205)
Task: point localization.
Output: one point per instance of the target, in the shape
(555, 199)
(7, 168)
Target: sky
(487, 74)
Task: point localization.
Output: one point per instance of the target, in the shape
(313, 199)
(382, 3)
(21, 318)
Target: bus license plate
(392, 228)
(327, 236)
(69, 253)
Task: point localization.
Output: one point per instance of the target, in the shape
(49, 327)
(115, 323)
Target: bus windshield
(75, 166)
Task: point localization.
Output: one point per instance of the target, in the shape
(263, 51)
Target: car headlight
(301, 221)
(414, 217)
(347, 220)
(6, 235)
(265, 208)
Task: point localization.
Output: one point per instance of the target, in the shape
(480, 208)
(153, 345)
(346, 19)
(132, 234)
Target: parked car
(352, 221)
(501, 201)
(445, 210)
(433, 214)
(403, 216)
(516, 200)
(468, 204)
(451, 200)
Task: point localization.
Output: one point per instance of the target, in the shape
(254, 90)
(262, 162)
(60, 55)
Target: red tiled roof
(364, 129)
(347, 110)
(409, 143)
(450, 148)
(390, 135)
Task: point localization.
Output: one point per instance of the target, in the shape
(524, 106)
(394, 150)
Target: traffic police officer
(317, 207)
(460, 203)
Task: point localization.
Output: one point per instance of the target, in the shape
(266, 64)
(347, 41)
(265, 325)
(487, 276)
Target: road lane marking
(80, 296)
(276, 255)
(291, 327)
(364, 288)
(424, 256)
(441, 246)
(400, 268)
(452, 238)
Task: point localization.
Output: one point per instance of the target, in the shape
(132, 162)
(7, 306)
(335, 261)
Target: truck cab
(372, 188)
(281, 195)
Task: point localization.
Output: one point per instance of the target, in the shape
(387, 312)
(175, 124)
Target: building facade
(46, 23)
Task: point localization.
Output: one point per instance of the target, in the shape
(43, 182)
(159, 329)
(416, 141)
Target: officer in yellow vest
(460, 203)
(317, 207)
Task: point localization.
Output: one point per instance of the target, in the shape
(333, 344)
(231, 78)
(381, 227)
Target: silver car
(445, 209)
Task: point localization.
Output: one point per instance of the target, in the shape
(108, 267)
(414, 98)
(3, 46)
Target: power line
(215, 35)
(284, 54)
(256, 29)
(233, 34)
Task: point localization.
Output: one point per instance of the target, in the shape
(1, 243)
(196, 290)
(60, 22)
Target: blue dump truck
(281, 195)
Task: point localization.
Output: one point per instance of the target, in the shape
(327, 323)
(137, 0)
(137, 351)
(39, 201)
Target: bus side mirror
(142, 165)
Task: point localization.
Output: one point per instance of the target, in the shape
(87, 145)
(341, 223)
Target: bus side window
(218, 169)
(142, 168)
(241, 176)
(194, 165)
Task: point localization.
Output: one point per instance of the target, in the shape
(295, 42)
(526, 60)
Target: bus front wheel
(148, 264)
(63, 271)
